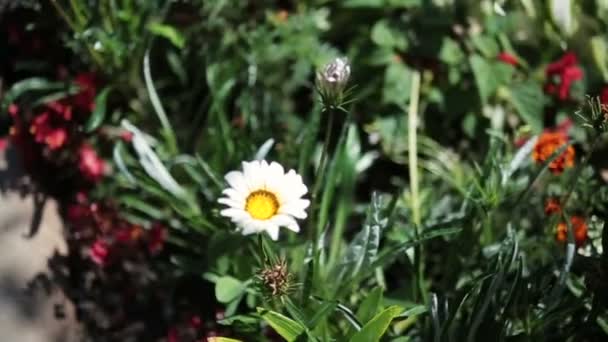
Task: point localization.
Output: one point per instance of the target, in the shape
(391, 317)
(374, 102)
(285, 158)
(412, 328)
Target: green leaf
(363, 250)
(284, 326)
(99, 114)
(450, 52)
(376, 327)
(27, 85)
(320, 313)
(386, 36)
(397, 84)
(370, 305)
(599, 50)
(169, 32)
(228, 289)
(528, 99)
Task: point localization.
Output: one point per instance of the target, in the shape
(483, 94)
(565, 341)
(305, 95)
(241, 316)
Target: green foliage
(468, 256)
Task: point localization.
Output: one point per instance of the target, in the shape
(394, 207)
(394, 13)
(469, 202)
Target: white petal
(296, 208)
(236, 180)
(253, 175)
(235, 214)
(232, 203)
(236, 195)
(287, 222)
(273, 231)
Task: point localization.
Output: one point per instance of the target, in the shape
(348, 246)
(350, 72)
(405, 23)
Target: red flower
(49, 127)
(78, 213)
(579, 228)
(195, 321)
(604, 95)
(85, 98)
(507, 58)
(552, 206)
(156, 238)
(100, 252)
(561, 74)
(547, 144)
(3, 144)
(128, 235)
(92, 167)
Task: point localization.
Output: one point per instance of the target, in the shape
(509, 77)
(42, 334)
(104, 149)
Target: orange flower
(552, 206)
(547, 144)
(579, 227)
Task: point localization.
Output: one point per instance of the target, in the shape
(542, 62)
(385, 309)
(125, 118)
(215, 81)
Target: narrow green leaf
(377, 326)
(99, 114)
(284, 326)
(26, 85)
(169, 32)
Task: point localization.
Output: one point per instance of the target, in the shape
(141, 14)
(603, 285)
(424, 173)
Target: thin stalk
(315, 232)
(577, 174)
(412, 116)
(96, 57)
(319, 177)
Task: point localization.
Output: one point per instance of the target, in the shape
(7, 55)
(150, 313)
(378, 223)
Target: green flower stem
(414, 182)
(315, 232)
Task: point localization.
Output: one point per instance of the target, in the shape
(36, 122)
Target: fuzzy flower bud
(332, 80)
(276, 279)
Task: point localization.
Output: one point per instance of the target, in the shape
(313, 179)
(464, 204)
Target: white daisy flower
(263, 198)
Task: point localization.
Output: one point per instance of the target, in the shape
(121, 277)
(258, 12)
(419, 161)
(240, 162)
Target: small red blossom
(156, 238)
(552, 206)
(195, 321)
(78, 213)
(50, 126)
(507, 58)
(604, 95)
(100, 252)
(129, 235)
(561, 74)
(579, 228)
(547, 144)
(85, 98)
(90, 164)
(3, 144)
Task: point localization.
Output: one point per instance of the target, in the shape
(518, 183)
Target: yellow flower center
(262, 204)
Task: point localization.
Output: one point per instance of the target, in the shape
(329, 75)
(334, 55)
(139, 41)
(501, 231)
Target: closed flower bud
(332, 79)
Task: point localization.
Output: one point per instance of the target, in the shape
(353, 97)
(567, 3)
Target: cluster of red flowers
(561, 75)
(50, 133)
(579, 226)
(112, 237)
(549, 142)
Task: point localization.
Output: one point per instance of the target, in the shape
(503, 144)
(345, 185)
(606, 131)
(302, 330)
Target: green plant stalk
(584, 162)
(96, 57)
(313, 231)
(412, 116)
(320, 175)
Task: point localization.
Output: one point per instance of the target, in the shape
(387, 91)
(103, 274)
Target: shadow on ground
(32, 307)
